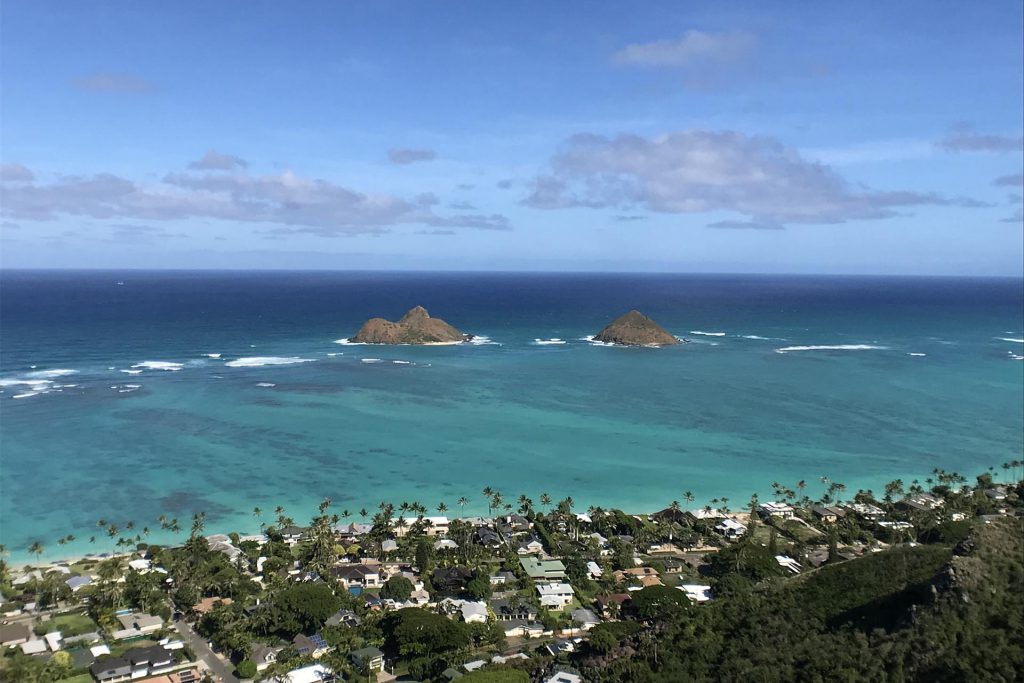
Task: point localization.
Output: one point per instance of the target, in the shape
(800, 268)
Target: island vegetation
(923, 581)
(635, 329)
(415, 327)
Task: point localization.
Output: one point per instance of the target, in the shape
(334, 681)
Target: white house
(696, 593)
(437, 526)
(474, 612)
(594, 570)
(775, 509)
(789, 564)
(315, 673)
(557, 595)
(446, 544)
(730, 528)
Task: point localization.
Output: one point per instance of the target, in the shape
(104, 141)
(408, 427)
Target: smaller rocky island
(415, 327)
(635, 329)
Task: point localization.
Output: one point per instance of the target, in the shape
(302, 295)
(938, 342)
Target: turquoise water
(725, 415)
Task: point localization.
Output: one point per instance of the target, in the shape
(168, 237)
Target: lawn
(80, 678)
(74, 624)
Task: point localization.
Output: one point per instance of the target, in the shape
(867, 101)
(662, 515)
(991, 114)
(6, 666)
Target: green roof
(536, 569)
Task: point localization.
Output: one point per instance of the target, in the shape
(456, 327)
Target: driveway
(221, 671)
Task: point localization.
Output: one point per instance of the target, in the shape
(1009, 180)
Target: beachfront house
(292, 534)
(437, 526)
(555, 595)
(542, 570)
(775, 509)
(920, 502)
(828, 515)
(704, 514)
(866, 511)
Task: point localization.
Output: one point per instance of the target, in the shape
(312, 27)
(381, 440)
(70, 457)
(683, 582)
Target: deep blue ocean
(917, 373)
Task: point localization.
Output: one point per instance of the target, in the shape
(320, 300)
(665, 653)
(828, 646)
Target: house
(314, 646)
(730, 528)
(542, 570)
(315, 673)
(696, 593)
(866, 510)
(515, 524)
(645, 576)
(348, 532)
(76, 583)
(12, 635)
(704, 514)
(292, 534)
(487, 537)
(920, 502)
(263, 656)
(147, 661)
(344, 617)
(220, 543)
(585, 618)
(775, 509)
(789, 564)
(611, 604)
(503, 578)
(53, 640)
(445, 544)
(437, 526)
(559, 647)
(137, 624)
(451, 579)
(673, 565)
(565, 675)
(473, 612)
(361, 575)
(33, 647)
(996, 493)
(556, 595)
(828, 515)
(368, 659)
(506, 610)
(530, 546)
(388, 545)
(515, 629)
(111, 670)
(594, 570)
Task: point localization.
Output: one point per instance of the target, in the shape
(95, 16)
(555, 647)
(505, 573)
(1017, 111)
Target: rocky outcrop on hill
(635, 329)
(415, 327)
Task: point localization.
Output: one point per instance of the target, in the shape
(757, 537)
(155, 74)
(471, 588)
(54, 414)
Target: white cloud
(698, 171)
(963, 138)
(15, 173)
(692, 48)
(217, 161)
(411, 156)
(297, 203)
(114, 83)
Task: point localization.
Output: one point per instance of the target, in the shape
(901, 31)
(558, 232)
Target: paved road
(221, 671)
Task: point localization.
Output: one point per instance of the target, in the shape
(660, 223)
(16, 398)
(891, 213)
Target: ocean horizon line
(565, 272)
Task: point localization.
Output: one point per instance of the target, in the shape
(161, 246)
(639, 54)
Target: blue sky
(724, 137)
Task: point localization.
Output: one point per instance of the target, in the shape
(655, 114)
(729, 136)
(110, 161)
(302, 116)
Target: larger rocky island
(635, 329)
(415, 327)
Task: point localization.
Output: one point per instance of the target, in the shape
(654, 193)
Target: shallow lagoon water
(219, 392)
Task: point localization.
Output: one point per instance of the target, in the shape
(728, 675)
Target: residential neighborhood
(411, 597)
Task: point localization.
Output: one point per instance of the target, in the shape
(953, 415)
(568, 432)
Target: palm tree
(545, 499)
(363, 513)
(462, 502)
(36, 549)
(688, 496)
(442, 507)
